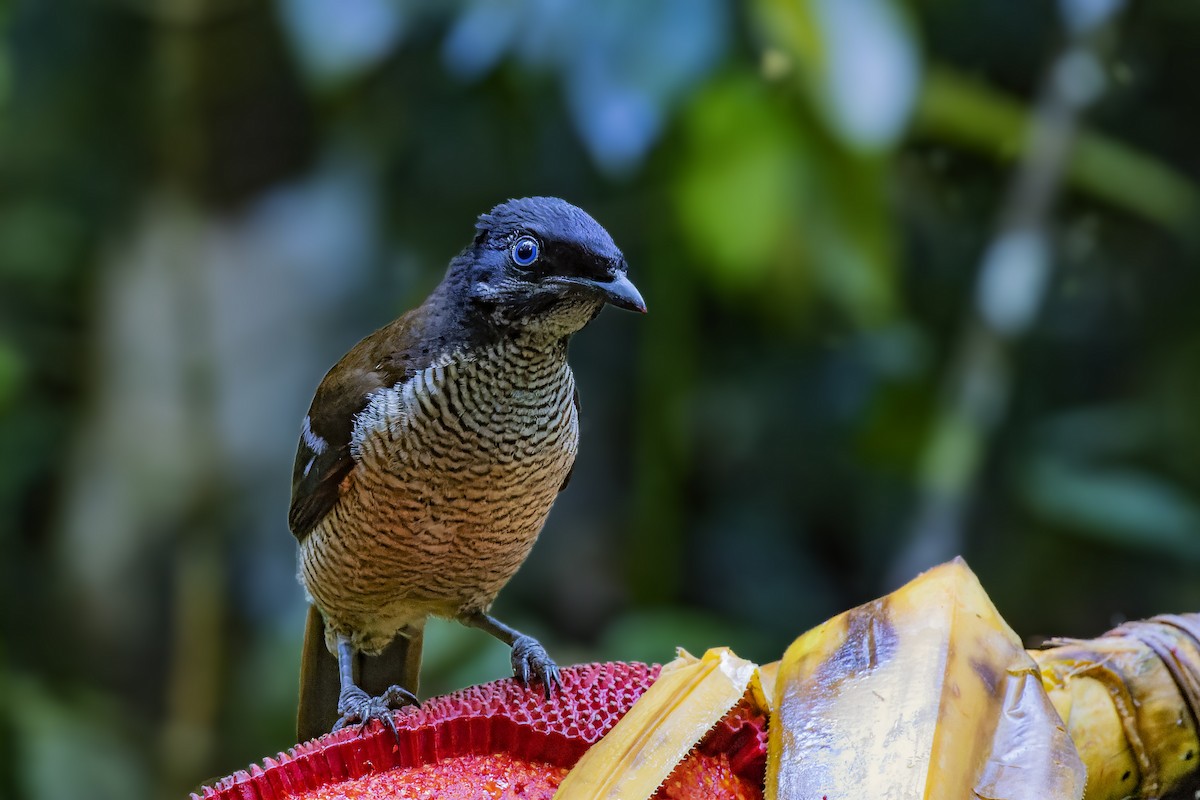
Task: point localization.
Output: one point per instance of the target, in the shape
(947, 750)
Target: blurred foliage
(203, 205)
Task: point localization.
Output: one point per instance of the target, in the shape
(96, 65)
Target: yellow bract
(1130, 698)
(636, 756)
(926, 693)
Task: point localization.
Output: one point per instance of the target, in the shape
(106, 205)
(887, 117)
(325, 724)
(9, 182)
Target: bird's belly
(442, 508)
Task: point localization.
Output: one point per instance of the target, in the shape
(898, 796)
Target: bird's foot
(355, 705)
(530, 660)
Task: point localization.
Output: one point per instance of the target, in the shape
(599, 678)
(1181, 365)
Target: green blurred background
(203, 204)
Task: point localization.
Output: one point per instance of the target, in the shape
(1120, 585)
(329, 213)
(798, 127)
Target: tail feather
(320, 683)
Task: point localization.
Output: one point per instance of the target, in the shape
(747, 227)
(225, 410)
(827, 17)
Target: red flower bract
(500, 740)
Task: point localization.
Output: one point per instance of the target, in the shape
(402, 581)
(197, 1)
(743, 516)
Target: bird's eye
(525, 251)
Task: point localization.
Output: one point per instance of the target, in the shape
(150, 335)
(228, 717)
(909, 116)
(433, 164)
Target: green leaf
(770, 208)
(971, 114)
(740, 190)
(1120, 505)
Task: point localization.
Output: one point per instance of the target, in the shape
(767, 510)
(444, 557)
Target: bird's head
(542, 263)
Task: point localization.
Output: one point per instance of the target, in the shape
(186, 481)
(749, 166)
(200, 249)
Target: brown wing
(323, 457)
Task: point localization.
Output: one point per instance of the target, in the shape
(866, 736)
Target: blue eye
(525, 251)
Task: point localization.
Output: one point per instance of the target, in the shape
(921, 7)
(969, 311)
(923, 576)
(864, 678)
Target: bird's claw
(530, 660)
(355, 705)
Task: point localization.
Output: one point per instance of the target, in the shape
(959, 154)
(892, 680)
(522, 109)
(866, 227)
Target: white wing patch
(383, 406)
(311, 440)
(390, 410)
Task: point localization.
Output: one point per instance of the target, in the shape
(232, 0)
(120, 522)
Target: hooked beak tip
(621, 293)
(616, 290)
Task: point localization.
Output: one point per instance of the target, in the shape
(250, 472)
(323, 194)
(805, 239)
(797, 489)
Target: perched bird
(433, 451)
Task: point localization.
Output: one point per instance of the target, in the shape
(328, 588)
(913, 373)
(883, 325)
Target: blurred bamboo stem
(1013, 276)
(195, 686)
(196, 657)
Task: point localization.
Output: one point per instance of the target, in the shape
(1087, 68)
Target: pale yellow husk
(636, 756)
(925, 693)
(1124, 697)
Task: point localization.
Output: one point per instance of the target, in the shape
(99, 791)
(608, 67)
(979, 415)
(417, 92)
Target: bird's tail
(320, 684)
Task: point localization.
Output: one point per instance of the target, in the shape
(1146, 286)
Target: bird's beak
(621, 292)
(615, 289)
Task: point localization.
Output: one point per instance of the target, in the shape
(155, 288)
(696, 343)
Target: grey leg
(355, 705)
(529, 658)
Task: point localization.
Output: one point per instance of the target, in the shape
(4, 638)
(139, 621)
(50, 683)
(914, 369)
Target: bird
(432, 453)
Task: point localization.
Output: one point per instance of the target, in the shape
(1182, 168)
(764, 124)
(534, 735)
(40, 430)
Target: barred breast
(456, 470)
